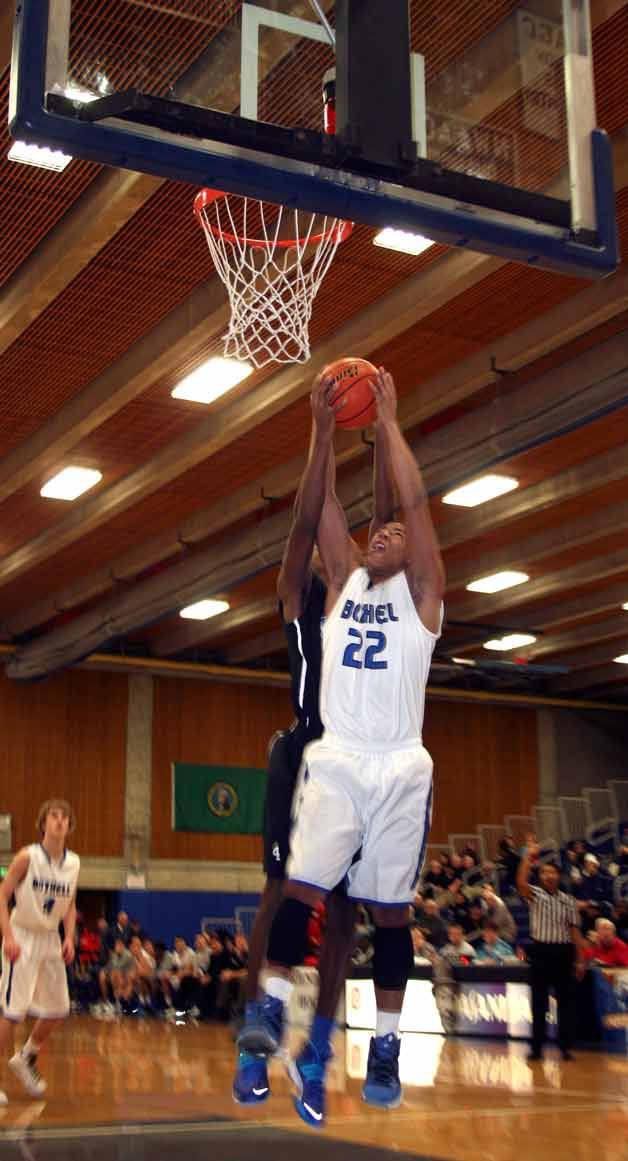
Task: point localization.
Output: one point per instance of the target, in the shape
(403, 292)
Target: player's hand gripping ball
(351, 380)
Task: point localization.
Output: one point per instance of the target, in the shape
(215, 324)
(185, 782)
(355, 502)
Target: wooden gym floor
(130, 1090)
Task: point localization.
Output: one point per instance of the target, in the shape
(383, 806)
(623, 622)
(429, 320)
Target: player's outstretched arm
(308, 504)
(425, 570)
(338, 552)
(383, 484)
(13, 878)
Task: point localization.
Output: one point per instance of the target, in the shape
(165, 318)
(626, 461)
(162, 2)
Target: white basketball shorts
(377, 804)
(36, 983)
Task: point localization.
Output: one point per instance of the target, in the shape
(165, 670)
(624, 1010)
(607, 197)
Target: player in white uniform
(43, 879)
(368, 783)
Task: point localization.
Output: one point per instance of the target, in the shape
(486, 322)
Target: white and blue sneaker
(263, 1030)
(382, 1087)
(308, 1074)
(250, 1086)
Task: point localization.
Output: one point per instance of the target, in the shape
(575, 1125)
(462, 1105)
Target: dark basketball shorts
(284, 761)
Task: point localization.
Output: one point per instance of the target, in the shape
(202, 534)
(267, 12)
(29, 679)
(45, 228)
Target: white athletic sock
(279, 987)
(387, 1023)
(30, 1048)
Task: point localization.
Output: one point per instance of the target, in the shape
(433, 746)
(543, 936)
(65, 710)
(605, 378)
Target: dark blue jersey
(304, 651)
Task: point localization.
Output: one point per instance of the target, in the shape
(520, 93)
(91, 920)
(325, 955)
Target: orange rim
(206, 197)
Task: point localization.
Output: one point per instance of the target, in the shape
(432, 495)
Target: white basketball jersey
(376, 660)
(44, 896)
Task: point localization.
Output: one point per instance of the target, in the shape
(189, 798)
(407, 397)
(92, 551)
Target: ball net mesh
(272, 261)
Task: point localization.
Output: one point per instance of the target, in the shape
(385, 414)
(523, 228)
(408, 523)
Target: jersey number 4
(351, 654)
(48, 906)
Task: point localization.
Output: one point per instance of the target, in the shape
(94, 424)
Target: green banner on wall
(220, 799)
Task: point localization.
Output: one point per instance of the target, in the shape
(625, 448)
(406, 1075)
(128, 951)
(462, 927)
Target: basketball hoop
(272, 276)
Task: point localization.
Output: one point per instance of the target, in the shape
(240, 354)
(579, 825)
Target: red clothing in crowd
(89, 948)
(613, 955)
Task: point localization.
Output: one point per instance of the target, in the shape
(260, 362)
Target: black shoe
(566, 1054)
(532, 1056)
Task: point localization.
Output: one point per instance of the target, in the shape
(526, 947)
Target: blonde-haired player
(43, 879)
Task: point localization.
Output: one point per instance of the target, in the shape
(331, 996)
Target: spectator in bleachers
(472, 875)
(606, 948)
(423, 951)
(470, 851)
(620, 918)
(498, 912)
(431, 924)
(144, 970)
(136, 929)
(118, 975)
(457, 950)
(473, 925)
(491, 947)
(232, 976)
(121, 929)
(595, 886)
(507, 863)
(435, 876)
(580, 849)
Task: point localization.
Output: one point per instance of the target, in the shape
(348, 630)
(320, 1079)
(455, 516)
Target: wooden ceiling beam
(580, 637)
(501, 428)
(610, 674)
(483, 605)
(580, 608)
(598, 653)
(383, 320)
(264, 645)
(191, 634)
(584, 530)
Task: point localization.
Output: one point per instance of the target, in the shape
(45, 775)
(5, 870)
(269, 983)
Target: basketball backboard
(478, 132)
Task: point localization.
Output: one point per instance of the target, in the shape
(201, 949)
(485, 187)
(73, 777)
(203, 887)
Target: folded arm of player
(308, 505)
(424, 568)
(13, 878)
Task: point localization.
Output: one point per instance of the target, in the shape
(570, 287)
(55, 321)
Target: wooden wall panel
(66, 737)
(199, 721)
(485, 763)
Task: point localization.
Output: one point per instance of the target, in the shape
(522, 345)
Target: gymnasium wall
(485, 763)
(65, 737)
(199, 721)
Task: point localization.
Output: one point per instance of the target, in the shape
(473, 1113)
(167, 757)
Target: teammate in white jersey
(368, 783)
(43, 878)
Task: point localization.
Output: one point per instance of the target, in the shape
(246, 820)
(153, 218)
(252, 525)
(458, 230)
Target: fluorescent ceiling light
(622, 659)
(402, 241)
(40, 156)
(463, 661)
(212, 379)
(625, 606)
(510, 641)
(480, 490)
(76, 93)
(203, 610)
(70, 483)
(497, 581)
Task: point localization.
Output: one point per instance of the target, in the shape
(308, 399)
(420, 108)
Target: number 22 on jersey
(364, 650)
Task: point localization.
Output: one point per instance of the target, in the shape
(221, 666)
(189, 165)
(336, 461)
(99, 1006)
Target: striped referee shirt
(552, 916)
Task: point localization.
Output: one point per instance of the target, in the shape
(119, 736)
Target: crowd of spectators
(468, 909)
(119, 970)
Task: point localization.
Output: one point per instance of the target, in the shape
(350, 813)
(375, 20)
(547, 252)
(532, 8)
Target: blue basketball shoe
(308, 1074)
(382, 1087)
(263, 1028)
(250, 1086)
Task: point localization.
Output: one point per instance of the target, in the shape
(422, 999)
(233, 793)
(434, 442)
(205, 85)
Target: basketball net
(272, 261)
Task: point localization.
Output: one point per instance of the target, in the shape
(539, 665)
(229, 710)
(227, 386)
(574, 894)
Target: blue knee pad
(288, 934)
(393, 958)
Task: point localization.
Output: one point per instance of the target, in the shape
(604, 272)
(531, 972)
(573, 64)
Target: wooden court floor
(462, 1099)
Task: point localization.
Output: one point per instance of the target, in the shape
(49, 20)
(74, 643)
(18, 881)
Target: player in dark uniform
(302, 595)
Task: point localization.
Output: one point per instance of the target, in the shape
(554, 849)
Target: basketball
(351, 379)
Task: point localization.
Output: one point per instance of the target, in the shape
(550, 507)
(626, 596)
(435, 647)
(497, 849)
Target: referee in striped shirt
(556, 954)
